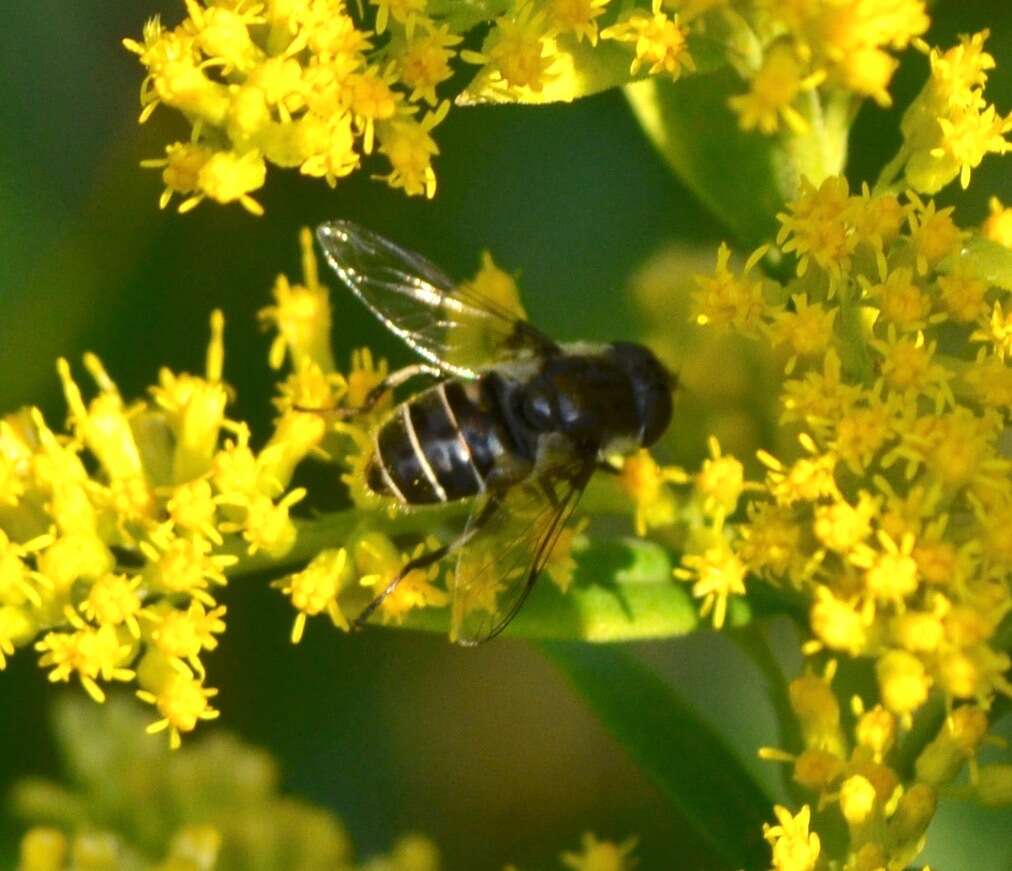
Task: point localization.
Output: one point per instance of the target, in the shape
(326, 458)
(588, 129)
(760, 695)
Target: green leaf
(984, 259)
(692, 765)
(743, 177)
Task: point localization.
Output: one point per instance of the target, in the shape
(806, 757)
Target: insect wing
(452, 326)
(513, 536)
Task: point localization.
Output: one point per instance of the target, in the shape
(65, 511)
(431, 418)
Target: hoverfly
(515, 422)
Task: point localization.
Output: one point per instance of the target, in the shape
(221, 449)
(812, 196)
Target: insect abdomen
(439, 446)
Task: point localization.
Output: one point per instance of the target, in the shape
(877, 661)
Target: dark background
(486, 750)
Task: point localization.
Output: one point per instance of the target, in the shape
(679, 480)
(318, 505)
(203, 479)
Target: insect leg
(394, 379)
(427, 559)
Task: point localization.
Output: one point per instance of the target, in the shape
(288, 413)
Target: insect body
(516, 422)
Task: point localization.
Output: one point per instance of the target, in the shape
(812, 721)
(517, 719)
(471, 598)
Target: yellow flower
(517, 50)
(857, 800)
(720, 482)
(794, 847)
(88, 652)
(807, 330)
(949, 128)
(660, 41)
(842, 527)
(726, 300)
(406, 143)
(181, 635)
(364, 376)
(963, 295)
(901, 301)
(903, 682)
(578, 16)
(114, 600)
(839, 624)
(646, 484)
(770, 543)
(817, 226)
(301, 315)
(808, 480)
(933, 233)
(296, 85)
(772, 92)
(890, 574)
(998, 224)
(314, 590)
(183, 701)
(424, 61)
(908, 367)
(716, 574)
(998, 331)
(598, 855)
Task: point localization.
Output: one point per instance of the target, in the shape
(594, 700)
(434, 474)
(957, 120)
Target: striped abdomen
(441, 445)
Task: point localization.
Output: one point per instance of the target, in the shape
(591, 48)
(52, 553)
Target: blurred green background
(486, 750)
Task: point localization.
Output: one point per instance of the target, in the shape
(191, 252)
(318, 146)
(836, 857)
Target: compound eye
(537, 411)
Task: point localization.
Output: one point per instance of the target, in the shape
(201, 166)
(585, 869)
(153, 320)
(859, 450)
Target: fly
(517, 423)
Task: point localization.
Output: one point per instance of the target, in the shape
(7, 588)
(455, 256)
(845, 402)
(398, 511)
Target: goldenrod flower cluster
(214, 806)
(950, 127)
(116, 535)
(892, 518)
(320, 85)
(788, 50)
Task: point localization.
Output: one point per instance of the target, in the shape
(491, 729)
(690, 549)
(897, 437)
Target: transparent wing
(452, 326)
(512, 537)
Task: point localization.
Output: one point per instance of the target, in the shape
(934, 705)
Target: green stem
(822, 151)
(853, 350)
(884, 182)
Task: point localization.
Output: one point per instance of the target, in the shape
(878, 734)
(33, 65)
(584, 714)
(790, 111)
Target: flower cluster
(892, 516)
(116, 536)
(841, 48)
(950, 127)
(213, 806)
(887, 508)
(296, 85)
(320, 85)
